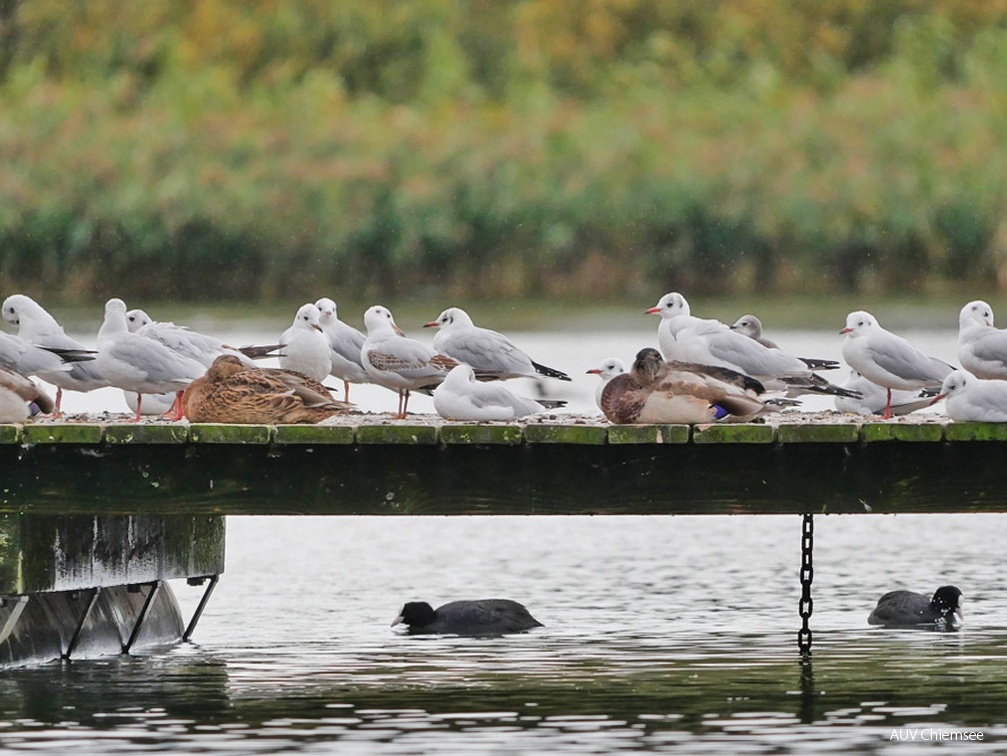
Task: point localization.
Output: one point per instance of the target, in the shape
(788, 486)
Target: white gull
(686, 338)
(193, 344)
(490, 353)
(873, 398)
(38, 327)
(970, 399)
(888, 360)
(607, 370)
(345, 343)
(982, 348)
(462, 397)
(28, 359)
(306, 348)
(137, 363)
(398, 362)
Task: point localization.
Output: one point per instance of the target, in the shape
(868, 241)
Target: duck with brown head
(655, 391)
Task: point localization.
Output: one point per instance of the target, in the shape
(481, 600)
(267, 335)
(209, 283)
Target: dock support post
(92, 599)
(155, 588)
(20, 602)
(806, 605)
(190, 628)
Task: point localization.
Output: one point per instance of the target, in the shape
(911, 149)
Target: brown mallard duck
(20, 398)
(231, 392)
(655, 391)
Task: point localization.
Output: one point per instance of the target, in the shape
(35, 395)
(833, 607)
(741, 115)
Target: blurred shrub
(199, 149)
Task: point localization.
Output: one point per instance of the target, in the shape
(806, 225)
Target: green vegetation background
(589, 149)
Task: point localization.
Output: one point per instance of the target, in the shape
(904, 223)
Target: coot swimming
(909, 609)
(482, 617)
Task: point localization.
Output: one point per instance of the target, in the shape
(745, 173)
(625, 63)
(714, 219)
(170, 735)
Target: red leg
(888, 406)
(177, 405)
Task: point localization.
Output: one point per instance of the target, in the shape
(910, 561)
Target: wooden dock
(371, 465)
(111, 510)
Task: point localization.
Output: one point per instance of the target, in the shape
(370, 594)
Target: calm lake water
(661, 633)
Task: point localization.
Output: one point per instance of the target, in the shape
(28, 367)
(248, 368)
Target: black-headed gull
(982, 348)
(38, 327)
(305, 346)
(873, 398)
(751, 326)
(233, 392)
(490, 353)
(676, 314)
(188, 343)
(397, 362)
(607, 370)
(345, 343)
(140, 364)
(20, 398)
(686, 338)
(888, 360)
(970, 399)
(28, 359)
(461, 397)
(655, 391)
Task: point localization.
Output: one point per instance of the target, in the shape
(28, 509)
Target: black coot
(482, 617)
(909, 609)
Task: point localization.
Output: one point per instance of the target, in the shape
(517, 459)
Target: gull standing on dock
(38, 327)
(305, 346)
(462, 397)
(659, 392)
(397, 362)
(192, 344)
(20, 398)
(686, 338)
(982, 348)
(888, 360)
(345, 343)
(970, 399)
(607, 370)
(137, 363)
(491, 354)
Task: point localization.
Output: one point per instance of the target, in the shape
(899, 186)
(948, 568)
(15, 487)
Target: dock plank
(424, 466)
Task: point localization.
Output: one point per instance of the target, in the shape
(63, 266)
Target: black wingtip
(816, 364)
(549, 372)
(552, 403)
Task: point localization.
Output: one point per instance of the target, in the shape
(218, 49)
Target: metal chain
(807, 605)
